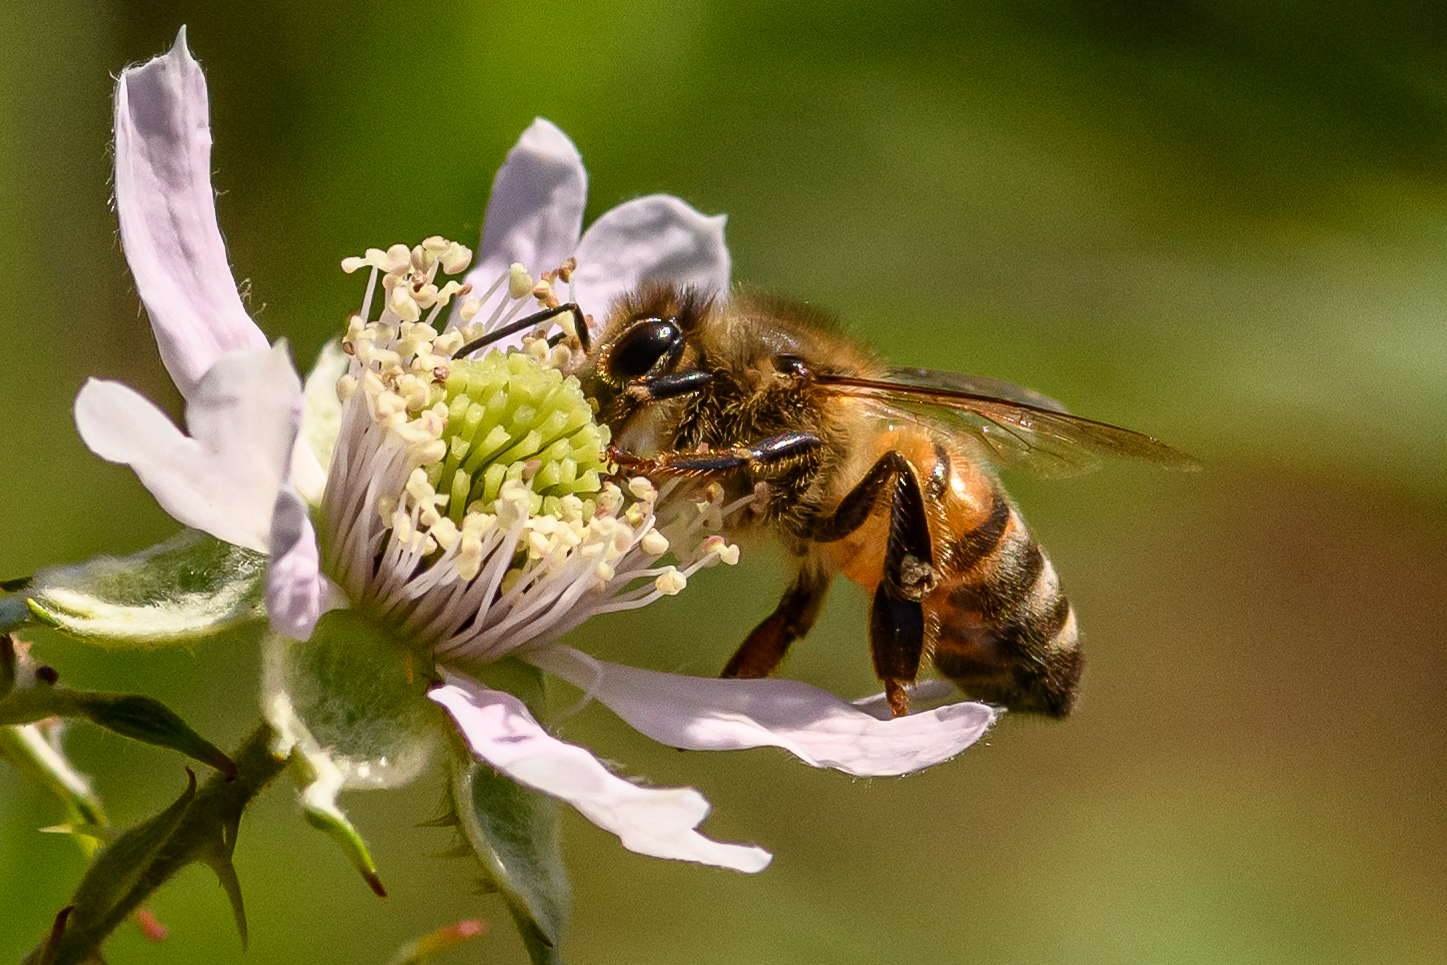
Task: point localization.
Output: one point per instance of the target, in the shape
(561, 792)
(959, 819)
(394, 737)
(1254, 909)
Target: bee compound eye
(786, 364)
(639, 350)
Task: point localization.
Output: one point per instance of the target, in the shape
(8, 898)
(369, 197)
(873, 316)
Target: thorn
(57, 931)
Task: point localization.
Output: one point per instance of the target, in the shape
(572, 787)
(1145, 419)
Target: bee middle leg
(761, 652)
(896, 617)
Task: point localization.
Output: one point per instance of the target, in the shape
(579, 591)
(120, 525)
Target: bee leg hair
(785, 445)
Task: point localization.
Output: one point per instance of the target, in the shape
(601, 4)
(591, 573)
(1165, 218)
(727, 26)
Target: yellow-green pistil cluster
(511, 419)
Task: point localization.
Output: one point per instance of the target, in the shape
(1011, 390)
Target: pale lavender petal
(653, 238)
(926, 694)
(703, 713)
(297, 593)
(536, 209)
(320, 424)
(654, 821)
(224, 476)
(167, 213)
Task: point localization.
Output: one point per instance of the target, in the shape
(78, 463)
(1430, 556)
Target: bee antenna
(580, 324)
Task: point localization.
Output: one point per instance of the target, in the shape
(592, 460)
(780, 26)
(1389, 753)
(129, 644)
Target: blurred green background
(1220, 222)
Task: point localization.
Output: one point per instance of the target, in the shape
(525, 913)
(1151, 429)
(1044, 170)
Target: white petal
(297, 593)
(655, 821)
(927, 693)
(223, 478)
(654, 238)
(703, 713)
(167, 213)
(321, 424)
(536, 209)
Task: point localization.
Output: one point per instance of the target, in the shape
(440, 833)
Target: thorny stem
(204, 830)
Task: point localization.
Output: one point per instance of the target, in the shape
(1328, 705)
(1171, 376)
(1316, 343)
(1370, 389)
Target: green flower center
(511, 418)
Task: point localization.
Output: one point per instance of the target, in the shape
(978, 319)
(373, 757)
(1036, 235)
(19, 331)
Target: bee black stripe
(1002, 596)
(1034, 632)
(1031, 567)
(967, 551)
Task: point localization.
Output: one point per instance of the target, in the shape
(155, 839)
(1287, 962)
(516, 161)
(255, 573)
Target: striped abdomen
(997, 623)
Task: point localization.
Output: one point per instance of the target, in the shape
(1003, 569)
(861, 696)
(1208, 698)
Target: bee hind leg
(896, 618)
(764, 648)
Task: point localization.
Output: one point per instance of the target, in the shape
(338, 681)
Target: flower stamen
(466, 501)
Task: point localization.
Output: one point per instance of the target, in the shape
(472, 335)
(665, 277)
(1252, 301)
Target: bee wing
(975, 385)
(1013, 427)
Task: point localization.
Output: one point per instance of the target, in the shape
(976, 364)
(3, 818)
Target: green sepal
(135, 716)
(200, 826)
(515, 833)
(326, 816)
(349, 706)
(98, 833)
(192, 585)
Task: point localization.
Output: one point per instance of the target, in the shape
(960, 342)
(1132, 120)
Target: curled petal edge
(297, 593)
(167, 213)
(700, 713)
(660, 822)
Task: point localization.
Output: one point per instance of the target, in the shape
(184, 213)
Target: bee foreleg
(765, 452)
(667, 386)
(764, 648)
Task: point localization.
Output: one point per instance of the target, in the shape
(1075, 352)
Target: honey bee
(882, 474)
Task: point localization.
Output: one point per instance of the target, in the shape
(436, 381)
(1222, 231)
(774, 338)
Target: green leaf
(99, 900)
(135, 716)
(515, 834)
(146, 719)
(193, 585)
